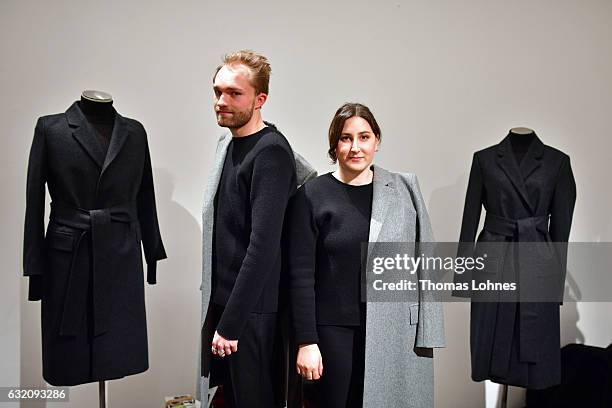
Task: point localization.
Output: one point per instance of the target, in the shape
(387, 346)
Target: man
(253, 178)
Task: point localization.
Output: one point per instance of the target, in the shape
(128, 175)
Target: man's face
(235, 98)
(357, 145)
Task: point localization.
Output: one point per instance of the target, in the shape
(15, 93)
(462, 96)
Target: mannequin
(521, 138)
(528, 193)
(98, 109)
(97, 96)
(86, 265)
(521, 131)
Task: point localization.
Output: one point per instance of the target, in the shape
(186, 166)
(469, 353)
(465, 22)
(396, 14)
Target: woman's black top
(328, 227)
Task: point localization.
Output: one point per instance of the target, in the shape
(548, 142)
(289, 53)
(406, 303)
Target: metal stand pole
(504, 401)
(102, 393)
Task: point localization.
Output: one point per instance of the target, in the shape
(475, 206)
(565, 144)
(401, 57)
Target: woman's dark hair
(347, 111)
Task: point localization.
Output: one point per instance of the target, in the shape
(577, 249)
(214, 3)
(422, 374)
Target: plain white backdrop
(444, 79)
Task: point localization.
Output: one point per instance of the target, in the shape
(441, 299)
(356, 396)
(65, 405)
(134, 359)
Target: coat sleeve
(561, 214)
(301, 253)
(430, 327)
(147, 217)
(272, 183)
(469, 224)
(34, 229)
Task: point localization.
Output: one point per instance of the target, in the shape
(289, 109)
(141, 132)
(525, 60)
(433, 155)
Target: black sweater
(329, 222)
(257, 181)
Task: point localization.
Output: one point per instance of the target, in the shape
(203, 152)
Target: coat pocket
(61, 241)
(414, 314)
(60, 253)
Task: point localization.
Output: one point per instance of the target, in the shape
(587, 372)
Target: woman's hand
(309, 362)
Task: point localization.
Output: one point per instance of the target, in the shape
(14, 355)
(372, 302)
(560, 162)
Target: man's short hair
(346, 111)
(258, 66)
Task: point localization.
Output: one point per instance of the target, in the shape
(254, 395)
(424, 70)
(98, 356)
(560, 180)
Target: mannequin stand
(102, 393)
(504, 400)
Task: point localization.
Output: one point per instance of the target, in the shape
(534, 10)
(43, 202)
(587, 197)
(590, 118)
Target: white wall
(444, 79)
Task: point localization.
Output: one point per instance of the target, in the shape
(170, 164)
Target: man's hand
(222, 346)
(309, 362)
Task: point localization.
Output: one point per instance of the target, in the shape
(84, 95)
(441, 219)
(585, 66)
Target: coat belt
(97, 224)
(521, 230)
(524, 229)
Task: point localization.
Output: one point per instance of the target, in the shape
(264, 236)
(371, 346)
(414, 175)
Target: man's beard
(237, 120)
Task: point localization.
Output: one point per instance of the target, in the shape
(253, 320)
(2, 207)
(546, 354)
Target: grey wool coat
(400, 335)
(303, 173)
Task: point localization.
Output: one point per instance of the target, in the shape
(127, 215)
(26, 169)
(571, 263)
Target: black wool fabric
(257, 181)
(328, 223)
(86, 267)
(518, 343)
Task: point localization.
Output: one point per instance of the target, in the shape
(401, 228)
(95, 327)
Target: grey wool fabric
(400, 335)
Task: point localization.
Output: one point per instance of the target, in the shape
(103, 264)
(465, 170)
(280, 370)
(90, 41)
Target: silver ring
(221, 352)
(213, 349)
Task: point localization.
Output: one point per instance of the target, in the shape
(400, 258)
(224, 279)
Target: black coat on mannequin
(529, 196)
(87, 268)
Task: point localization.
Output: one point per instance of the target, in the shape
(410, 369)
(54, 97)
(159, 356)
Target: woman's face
(357, 145)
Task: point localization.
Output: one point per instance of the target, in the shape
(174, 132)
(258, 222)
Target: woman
(358, 355)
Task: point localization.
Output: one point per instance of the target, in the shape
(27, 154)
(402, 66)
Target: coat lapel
(382, 197)
(84, 134)
(533, 158)
(215, 176)
(86, 137)
(507, 161)
(208, 213)
(118, 138)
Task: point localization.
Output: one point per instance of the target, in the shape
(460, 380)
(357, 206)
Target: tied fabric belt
(521, 230)
(97, 224)
(524, 229)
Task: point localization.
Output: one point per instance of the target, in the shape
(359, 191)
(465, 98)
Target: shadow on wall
(173, 308)
(446, 209)
(569, 313)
